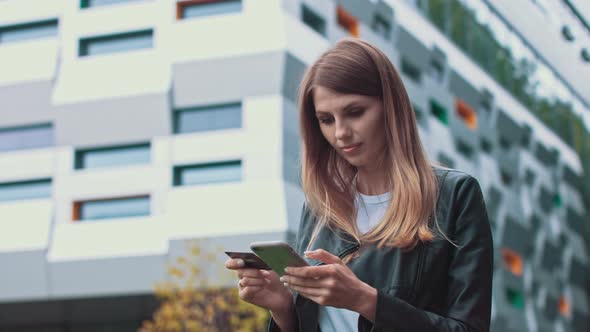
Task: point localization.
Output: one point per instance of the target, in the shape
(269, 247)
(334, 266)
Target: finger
(247, 282)
(323, 256)
(313, 271)
(247, 293)
(304, 282)
(234, 263)
(251, 273)
(307, 292)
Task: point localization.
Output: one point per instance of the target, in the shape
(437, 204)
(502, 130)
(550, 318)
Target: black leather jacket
(434, 287)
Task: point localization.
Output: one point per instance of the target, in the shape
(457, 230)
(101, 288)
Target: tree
(190, 303)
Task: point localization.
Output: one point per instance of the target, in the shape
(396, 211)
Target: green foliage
(190, 304)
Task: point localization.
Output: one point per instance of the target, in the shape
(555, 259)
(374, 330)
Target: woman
(397, 244)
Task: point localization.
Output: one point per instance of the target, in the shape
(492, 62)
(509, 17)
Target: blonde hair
(353, 66)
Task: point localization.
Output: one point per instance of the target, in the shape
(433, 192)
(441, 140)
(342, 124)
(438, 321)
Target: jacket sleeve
(469, 279)
(272, 325)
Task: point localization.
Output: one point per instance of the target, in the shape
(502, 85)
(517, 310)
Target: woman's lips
(351, 148)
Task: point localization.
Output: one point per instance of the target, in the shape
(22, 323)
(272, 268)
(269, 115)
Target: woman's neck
(372, 182)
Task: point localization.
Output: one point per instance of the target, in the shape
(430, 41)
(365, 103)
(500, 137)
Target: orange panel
(467, 113)
(564, 307)
(347, 21)
(512, 261)
(76, 211)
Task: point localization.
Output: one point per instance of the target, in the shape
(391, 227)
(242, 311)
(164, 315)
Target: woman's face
(352, 124)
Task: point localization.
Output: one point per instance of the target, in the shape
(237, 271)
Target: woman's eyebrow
(350, 105)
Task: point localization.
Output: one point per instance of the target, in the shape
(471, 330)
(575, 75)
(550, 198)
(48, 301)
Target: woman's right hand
(261, 288)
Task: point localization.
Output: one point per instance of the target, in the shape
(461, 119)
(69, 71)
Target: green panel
(439, 111)
(515, 298)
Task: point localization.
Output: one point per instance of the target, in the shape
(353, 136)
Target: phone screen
(278, 256)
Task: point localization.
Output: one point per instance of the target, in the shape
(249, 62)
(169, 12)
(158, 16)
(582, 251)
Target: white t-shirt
(370, 210)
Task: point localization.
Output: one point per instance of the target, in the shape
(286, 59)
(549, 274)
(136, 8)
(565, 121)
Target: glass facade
(207, 118)
(313, 20)
(123, 42)
(97, 3)
(113, 156)
(229, 171)
(22, 190)
(28, 31)
(29, 137)
(192, 9)
(114, 208)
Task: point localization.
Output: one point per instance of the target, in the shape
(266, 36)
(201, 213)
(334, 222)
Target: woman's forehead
(327, 100)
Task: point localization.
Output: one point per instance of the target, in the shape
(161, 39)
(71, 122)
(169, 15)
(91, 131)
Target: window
(485, 145)
(439, 112)
(313, 20)
(112, 156)
(31, 189)
(445, 160)
(122, 42)
(215, 117)
(466, 113)
(97, 3)
(200, 8)
(112, 208)
(26, 137)
(28, 31)
(347, 21)
(410, 70)
(464, 149)
(228, 171)
(381, 26)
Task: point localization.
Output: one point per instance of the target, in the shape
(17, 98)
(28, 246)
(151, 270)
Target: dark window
(464, 149)
(112, 208)
(200, 8)
(381, 26)
(445, 160)
(113, 156)
(97, 3)
(28, 31)
(313, 20)
(26, 137)
(122, 42)
(228, 171)
(21, 190)
(205, 118)
(485, 145)
(410, 70)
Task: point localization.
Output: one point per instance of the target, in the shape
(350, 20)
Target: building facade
(128, 127)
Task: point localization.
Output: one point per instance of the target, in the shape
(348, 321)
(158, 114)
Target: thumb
(323, 256)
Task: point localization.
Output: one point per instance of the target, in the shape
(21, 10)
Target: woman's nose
(342, 130)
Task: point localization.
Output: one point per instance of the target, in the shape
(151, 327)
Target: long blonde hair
(353, 66)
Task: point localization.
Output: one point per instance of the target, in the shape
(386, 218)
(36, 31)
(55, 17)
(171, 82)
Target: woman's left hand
(333, 284)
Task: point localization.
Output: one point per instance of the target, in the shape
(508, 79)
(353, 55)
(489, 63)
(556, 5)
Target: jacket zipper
(419, 276)
(347, 251)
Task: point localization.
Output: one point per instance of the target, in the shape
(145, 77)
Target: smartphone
(251, 260)
(278, 255)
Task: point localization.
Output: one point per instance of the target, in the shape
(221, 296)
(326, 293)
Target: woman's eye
(356, 113)
(325, 120)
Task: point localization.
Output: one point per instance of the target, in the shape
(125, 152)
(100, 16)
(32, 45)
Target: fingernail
(282, 279)
(240, 263)
(285, 284)
(287, 269)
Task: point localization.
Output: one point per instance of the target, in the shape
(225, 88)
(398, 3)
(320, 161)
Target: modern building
(128, 127)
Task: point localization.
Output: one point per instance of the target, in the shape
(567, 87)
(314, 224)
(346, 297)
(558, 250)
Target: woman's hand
(333, 284)
(261, 288)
